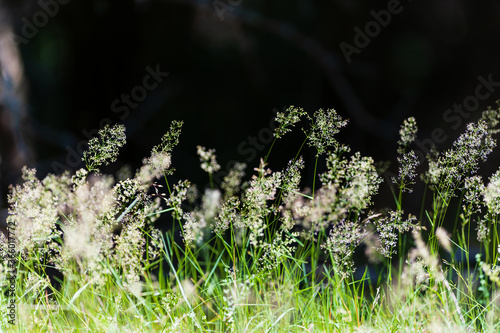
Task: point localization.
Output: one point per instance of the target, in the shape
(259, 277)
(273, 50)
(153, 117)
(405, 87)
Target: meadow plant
(104, 149)
(492, 194)
(288, 119)
(407, 134)
(324, 125)
(447, 172)
(260, 253)
(208, 160)
(231, 184)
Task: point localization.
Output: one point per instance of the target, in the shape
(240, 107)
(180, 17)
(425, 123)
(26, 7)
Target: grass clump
(260, 253)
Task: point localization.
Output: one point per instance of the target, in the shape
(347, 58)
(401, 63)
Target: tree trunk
(15, 150)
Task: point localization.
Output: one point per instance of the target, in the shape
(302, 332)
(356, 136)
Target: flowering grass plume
(260, 253)
(407, 134)
(449, 169)
(34, 211)
(208, 160)
(473, 193)
(408, 164)
(158, 163)
(104, 148)
(389, 228)
(492, 194)
(325, 124)
(408, 161)
(231, 184)
(288, 119)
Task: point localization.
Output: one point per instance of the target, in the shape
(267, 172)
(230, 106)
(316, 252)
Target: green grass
(258, 254)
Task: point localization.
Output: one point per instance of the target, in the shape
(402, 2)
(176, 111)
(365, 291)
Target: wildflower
(470, 147)
(356, 179)
(287, 119)
(197, 221)
(336, 167)
(261, 189)
(33, 210)
(210, 203)
(474, 189)
(235, 292)
(228, 214)
(79, 178)
(177, 196)
(348, 187)
(79, 241)
(407, 165)
(448, 170)
(88, 230)
(407, 133)
(483, 231)
(208, 161)
(324, 126)
(433, 174)
(126, 191)
(275, 252)
(492, 194)
(232, 182)
(492, 118)
(154, 167)
(299, 207)
(261, 169)
(59, 186)
(291, 181)
(287, 221)
(344, 237)
(431, 261)
(169, 301)
(169, 139)
(473, 203)
(130, 249)
(192, 229)
(104, 149)
(388, 229)
(362, 182)
(422, 267)
(159, 161)
(95, 199)
(323, 209)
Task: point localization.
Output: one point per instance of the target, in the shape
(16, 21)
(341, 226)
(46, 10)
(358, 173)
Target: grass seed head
(407, 134)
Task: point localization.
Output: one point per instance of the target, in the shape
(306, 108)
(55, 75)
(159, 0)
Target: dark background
(227, 75)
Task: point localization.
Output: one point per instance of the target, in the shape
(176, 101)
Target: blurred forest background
(230, 64)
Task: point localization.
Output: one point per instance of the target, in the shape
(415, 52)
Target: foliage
(259, 254)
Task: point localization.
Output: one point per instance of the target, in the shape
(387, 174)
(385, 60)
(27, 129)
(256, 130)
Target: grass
(259, 254)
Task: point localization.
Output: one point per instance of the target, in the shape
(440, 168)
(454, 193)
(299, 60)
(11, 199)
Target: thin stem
(270, 149)
(314, 175)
